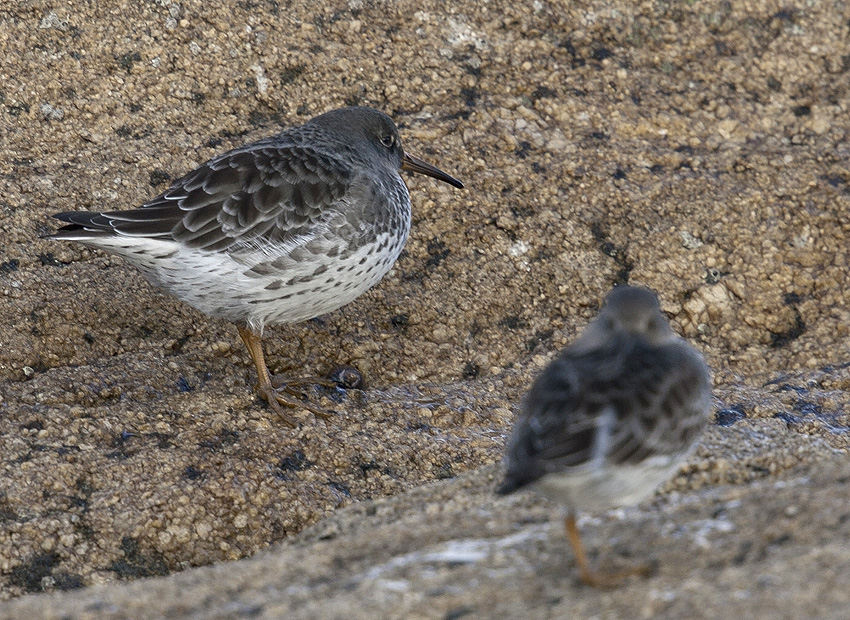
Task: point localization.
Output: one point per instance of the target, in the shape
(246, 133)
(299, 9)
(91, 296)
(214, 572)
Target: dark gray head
(373, 131)
(631, 310)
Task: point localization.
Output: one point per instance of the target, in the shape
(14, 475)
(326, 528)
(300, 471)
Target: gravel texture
(698, 148)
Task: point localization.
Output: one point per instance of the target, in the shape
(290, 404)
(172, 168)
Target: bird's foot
(594, 578)
(604, 580)
(292, 384)
(285, 396)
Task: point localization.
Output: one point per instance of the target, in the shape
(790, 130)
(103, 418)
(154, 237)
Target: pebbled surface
(698, 149)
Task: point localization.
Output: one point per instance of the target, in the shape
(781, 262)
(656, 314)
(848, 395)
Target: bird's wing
(617, 403)
(268, 190)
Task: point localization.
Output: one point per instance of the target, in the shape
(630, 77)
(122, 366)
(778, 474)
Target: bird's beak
(414, 164)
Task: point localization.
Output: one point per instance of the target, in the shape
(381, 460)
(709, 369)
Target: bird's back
(620, 404)
(280, 230)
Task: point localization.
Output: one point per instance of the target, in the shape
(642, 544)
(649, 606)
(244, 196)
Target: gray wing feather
(274, 189)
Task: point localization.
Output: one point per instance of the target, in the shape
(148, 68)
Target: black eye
(388, 140)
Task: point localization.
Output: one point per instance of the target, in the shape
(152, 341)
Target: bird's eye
(388, 141)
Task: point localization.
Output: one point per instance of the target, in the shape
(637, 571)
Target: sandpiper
(278, 231)
(612, 417)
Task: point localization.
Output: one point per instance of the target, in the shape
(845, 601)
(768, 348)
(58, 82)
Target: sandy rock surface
(699, 149)
(775, 547)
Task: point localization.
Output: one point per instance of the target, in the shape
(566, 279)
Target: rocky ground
(699, 149)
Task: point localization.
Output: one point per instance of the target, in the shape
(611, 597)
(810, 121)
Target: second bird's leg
(265, 387)
(589, 576)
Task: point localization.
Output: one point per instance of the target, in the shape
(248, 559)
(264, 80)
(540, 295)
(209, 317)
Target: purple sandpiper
(612, 417)
(278, 231)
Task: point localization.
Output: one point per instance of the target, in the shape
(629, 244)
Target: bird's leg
(589, 576)
(586, 574)
(275, 398)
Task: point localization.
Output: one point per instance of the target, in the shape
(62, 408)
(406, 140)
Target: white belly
(597, 489)
(220, 285)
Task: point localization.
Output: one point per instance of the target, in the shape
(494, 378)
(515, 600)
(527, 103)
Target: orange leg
(265, 390)
(589, 576)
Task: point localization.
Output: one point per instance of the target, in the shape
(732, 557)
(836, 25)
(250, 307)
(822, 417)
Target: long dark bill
(414, 164)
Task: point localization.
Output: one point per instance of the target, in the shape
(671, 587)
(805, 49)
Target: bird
(611, 418)
(278, 231)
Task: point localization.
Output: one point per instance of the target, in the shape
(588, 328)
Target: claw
(289, 383)
(285, 397)
(274, 402)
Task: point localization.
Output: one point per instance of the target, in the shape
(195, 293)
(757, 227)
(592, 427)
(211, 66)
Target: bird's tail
(82, 225)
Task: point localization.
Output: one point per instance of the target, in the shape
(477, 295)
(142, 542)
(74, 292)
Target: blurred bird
(612, 417)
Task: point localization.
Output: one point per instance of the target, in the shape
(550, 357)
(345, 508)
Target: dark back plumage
(627, 365)
(271, 190)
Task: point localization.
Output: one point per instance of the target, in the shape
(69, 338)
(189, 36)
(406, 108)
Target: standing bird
(278, 231)
(612, 417)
